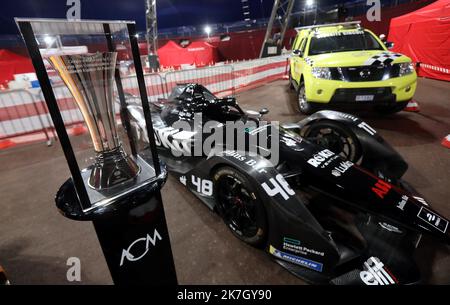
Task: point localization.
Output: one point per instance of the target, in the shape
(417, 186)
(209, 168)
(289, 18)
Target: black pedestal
(132, 231)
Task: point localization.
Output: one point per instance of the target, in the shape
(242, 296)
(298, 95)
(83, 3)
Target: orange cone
(412, 106)
(446, 141)
(78, 129)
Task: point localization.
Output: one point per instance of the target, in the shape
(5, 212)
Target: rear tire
(239, 206)
(303, 105)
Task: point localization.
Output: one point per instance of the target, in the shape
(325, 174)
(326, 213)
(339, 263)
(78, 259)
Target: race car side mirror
(297, 52)
(389, 44)
(263, 111)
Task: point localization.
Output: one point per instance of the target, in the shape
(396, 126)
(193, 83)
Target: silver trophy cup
(90, 79)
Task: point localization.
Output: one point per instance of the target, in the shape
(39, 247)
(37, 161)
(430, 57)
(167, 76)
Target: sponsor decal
(401, 204)
(320, 158)
(127, 254)
(195, 49)
(381, 188)
(174, 139)
(192, 137)
(294, 246)
(375, 273)
(298, 260)
(347, 116)
(204, 186)
(421, 200)
(433, 219)
(235, 155)
(367, 128)
(334, 34)
(341, 168)
(389, 227)
(279, 186)
(248, 161)
(289, 142)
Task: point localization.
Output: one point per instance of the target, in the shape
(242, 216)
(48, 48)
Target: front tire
(291, 85)
(336, 138)
(239, 206)
(303, 105)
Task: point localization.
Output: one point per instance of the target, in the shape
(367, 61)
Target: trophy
(90, 79)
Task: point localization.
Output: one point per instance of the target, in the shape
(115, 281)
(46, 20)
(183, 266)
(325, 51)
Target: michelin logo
(296, 259)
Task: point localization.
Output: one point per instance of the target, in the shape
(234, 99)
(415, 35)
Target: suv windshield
(343, 43)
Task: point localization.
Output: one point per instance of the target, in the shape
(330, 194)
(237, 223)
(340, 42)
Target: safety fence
(24, 116)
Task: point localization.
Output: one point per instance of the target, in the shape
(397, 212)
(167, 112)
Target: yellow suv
(345, 65)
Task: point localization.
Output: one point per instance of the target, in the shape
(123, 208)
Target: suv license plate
(364, 98)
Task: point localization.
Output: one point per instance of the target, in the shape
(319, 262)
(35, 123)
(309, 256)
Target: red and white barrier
(446, 141)
(7, 143)
(24, 115)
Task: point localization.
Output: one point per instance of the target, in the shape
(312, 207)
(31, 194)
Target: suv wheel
(304, 106)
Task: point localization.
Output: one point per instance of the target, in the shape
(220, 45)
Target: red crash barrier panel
(24, 116)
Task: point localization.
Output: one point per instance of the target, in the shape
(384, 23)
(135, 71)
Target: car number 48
(204, 186)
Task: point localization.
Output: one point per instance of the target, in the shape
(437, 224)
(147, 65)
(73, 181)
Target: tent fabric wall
(11, 63)
(387, 14)
(424, 35)
(200, 53)
(170, 54)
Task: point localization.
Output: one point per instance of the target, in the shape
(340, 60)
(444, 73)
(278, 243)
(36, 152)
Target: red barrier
(24, 116)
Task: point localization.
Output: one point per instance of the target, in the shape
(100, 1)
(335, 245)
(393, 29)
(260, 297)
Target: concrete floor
(36, 241)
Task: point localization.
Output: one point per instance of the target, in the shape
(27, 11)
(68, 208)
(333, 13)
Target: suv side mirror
(389, 44)
(263, 111)
(297, 52)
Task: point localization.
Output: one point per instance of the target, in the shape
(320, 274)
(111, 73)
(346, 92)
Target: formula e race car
(332, 208)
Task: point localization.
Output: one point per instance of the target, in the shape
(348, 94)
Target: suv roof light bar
(356, 24)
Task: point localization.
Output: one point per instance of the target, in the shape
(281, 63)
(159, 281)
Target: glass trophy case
(115, 179)
(81, 62)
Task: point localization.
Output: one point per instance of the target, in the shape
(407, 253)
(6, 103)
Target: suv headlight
(405, 68)
(319, 72)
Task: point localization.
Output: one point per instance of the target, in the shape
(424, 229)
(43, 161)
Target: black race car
(332, 209)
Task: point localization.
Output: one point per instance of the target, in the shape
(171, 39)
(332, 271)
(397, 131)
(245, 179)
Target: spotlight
(208, 30)
(49, 40)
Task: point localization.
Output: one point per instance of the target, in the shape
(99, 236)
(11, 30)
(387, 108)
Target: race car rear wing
(349, 24)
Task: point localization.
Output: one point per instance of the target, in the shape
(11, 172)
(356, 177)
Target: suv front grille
(365, 73)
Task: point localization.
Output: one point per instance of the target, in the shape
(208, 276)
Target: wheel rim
(237, 205)
(302, 98)
(335, 141)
